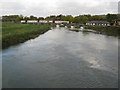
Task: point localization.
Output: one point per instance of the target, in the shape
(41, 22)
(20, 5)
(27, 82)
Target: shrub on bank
(110, 31)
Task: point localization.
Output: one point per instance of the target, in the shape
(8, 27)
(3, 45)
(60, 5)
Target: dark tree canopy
(77, 19)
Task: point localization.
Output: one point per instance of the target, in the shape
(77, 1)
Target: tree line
(74, 19)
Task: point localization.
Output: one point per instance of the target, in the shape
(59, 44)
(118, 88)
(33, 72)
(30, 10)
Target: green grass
(109, 31)
(14, 33)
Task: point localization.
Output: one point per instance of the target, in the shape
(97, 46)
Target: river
(61, 58)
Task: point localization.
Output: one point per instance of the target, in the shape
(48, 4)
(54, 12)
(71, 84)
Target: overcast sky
(55, 7)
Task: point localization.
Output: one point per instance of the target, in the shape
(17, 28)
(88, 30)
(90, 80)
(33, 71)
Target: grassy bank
(13, 33)
(110, 31)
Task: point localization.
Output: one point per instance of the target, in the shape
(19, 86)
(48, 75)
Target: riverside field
(14, 33)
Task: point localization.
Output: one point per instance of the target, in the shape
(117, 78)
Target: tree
(33, 17)
(18, 18)
(13, 18)
(69, 18)
(76, 19)
(26, 18)
(89, 17)
(40, 18)
(81, 19)
(111, 17)
(52, 17)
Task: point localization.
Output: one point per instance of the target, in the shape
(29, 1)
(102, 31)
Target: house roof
(99, 22)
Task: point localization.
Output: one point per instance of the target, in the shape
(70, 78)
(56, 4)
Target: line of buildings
(43, 22)
(103, 23)
(89, 23)
(98, 23)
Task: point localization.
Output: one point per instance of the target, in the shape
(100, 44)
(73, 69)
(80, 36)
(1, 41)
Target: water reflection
(85, 33)
(93, 61)
(0, 70)
(62, 59)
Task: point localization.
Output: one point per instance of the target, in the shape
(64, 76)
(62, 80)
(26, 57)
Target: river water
(62, 59)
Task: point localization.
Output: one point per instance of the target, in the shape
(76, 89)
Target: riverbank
(14, 33)
(110, 31)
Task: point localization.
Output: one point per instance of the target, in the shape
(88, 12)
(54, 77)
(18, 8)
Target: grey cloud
(119, 7)
(73, 7)
(24, 9)
(11, 7)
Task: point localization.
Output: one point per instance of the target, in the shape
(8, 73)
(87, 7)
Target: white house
(22, 21)
(59, 22)
(43, 21)
(50, 21)
(32, 21)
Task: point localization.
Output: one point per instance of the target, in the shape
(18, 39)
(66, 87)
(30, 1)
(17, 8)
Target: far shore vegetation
(83, 19)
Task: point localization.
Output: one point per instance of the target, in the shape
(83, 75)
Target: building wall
(119, 23)
(32, 21)
(98, 24)
(116, 23)
(43, 21)
(23, 21)
(61, 22)
(50, 21)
